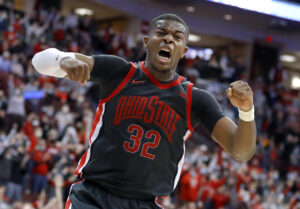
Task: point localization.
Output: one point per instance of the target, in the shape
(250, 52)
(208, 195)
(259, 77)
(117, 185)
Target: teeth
(166, 50)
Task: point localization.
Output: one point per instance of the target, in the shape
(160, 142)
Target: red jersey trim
(157, 203)
(68, 202)
(189, 108)
(96, 120)
(156, 82)
(122, 84)
(81, 163)
(99, 114)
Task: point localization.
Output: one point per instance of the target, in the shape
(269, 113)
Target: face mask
(193, 173)
(65, 109)
(18, 92)
(80, 99)
(38, 133)
(41, 148)
(36, 123)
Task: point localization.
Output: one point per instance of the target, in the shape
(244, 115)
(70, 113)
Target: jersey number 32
(137, 133)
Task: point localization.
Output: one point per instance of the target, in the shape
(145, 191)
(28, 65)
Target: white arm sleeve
(47, 62)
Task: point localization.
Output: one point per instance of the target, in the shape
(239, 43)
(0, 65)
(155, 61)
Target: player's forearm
(238, 141)
(243, 137)
(243, 143)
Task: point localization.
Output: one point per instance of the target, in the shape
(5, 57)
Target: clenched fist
(76, 70)
(240, 95)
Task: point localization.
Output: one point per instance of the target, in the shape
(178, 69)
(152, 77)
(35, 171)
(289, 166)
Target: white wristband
(246, 116)
(47, 62)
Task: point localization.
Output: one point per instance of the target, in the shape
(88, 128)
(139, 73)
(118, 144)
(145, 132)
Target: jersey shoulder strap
(122, 84)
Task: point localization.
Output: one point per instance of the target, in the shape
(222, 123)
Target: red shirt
(257, 206)
(10, 37)
(210, 187)
(40, 159)
(29, 131)
(220, 200)
(190, 186)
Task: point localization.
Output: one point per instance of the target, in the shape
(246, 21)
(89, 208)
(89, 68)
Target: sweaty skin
(239, 141)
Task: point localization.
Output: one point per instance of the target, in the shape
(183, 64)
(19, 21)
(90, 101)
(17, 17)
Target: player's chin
(164, 66)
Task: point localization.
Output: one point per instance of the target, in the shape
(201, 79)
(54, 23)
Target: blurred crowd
(45, 122)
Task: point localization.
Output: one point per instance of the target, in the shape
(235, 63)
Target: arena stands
(45, 122)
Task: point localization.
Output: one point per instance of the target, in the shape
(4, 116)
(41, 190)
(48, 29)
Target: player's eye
(161, 32)
(178, 37)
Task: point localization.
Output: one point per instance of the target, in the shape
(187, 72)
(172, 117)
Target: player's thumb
(229, 92)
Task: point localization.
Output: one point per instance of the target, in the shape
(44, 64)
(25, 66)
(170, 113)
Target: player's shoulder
(199, 92)
(110, 59)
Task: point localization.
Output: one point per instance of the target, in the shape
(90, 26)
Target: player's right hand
(76, 70)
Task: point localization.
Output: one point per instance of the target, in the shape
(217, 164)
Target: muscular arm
(79, 67)
(239, 141)
(101, 68)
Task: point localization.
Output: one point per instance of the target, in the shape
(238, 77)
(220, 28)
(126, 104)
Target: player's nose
(168, 39)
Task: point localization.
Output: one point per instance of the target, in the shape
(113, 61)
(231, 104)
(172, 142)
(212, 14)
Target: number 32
(137, 133)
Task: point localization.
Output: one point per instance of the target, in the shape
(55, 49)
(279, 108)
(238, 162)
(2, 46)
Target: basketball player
(144, 117)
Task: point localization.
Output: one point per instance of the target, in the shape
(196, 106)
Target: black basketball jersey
(138, 135)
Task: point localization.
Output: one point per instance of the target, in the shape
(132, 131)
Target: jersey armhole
(122, 84)
(188, 111)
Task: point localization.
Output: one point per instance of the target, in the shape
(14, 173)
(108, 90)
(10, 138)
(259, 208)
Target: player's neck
(163, 76)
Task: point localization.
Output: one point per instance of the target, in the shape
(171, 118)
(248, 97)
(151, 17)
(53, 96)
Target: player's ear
(146, 40)
(185, 49)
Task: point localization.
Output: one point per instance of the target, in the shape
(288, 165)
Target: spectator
(5, 166)
(15, 183)
(41, 159)
(54, 140)
(71, 21)
(189, 187)
(5, 62)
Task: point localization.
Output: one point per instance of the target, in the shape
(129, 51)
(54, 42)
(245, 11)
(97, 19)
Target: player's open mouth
(164, 56)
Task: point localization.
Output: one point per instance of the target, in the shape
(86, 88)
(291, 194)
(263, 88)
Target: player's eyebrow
(180, 31)
(163, 29)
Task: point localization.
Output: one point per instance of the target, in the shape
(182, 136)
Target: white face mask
(80, 99)
(41, 148)
(65, 109)
(38, 133)
(36, 122)
(18, 92)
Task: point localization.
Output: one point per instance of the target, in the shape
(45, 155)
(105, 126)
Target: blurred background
(45, 122)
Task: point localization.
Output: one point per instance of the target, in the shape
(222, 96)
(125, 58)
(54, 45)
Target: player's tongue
(164, 56)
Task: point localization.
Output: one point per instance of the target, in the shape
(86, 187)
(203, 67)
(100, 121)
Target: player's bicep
(109, 68)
